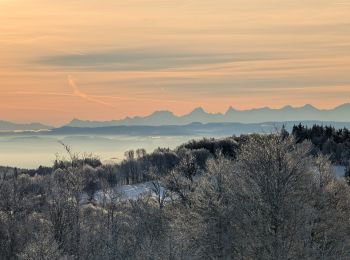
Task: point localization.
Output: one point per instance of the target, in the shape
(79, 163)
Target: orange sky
(107, 59)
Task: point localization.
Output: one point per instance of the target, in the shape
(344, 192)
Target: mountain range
(287, 113)
(9, 126)
(198, 115)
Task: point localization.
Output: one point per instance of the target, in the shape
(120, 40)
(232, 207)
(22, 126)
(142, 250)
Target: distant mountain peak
(198, 110)
(288, 107)
(255, 115)
(75, 120)
(343, 106)
(162, 112)
(230, 110)
(309, 106)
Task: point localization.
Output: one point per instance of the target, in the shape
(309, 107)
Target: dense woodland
(255, 196)
(326, 139)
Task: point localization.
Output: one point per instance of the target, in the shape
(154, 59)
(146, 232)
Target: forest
(257, 196)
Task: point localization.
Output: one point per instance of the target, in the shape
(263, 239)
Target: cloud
(145, 59)
(78, 93)
(38, 93)
(96, 98)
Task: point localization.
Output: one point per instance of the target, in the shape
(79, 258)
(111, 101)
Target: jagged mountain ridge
(10, 126)
(287, 113)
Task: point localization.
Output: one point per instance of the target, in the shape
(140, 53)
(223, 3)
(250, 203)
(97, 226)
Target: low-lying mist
(31, 151)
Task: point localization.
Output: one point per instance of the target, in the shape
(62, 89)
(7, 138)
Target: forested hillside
(332, 142)
(270, 196)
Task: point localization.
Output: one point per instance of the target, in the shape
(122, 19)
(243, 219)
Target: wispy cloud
(145, 59)
(38, 93)
(342, 3)
(92, 98)
(77, 92)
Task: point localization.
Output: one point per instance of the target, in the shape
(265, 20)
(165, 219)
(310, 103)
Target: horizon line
(179, 115)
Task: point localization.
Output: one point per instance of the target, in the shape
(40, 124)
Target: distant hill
(193, 129)
(9, 126)
(287, 113)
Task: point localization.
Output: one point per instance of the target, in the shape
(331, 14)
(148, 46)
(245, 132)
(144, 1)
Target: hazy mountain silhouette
(287, 113)
(9, 126)
(193, 129)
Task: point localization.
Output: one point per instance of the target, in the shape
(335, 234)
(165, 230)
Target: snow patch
(339, 171)
(126, 192)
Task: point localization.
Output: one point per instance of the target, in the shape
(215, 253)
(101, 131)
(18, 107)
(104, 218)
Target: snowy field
(127, 192)
(339, 171)
(136, 191)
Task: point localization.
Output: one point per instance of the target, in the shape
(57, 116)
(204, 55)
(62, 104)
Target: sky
(108, 59)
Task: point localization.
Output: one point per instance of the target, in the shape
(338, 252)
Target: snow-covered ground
(126, 192)
(136, 191)
(339, 170)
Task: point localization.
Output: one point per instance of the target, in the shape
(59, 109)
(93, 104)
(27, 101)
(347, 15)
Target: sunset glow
(107, 59)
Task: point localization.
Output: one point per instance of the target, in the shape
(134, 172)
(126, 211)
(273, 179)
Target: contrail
(39, 93)
(78, 93)
(43, 93)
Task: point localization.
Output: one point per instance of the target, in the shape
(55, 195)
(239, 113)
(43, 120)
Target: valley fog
(31, 151)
